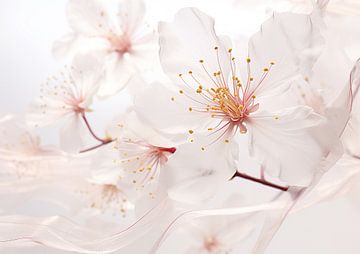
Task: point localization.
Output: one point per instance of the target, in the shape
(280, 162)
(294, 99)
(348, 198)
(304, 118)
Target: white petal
(118, 73)
(189, 38)
(72, 134)
(88, 17)
(87, 72)
(73, 43)
(284, 143)
(198, 180)
(131, 14)
(167, 110)
(291, 41)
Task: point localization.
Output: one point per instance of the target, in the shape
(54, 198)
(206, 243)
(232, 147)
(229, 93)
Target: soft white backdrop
(28, 28)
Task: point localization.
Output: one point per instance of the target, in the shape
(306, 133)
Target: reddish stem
(102, 141)
(97, 146)
(260, 181)
(90, 130)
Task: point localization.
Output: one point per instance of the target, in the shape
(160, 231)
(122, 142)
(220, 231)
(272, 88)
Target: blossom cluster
(222, 136)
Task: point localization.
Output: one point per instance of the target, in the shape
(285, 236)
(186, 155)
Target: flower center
(227, 99)
(107, 197)
(211, 243)
(142, 161)
(66, 90)
(120, 43)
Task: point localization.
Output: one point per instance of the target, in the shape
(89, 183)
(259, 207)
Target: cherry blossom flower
(138, 154)
(102, 191)
(217, 235)
(67, 98)
(221, 95)
(149, 165)
(21, 152)
(122, 42)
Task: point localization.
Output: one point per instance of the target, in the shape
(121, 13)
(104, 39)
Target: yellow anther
(210, 129)
(191, 131)
(190, 109)
(248, 60)
(266, 69)
(254, 96)
(172, 98)
(216, 48)
(190, 72)
(272, 63)
(226, 141)
(201, 61)
(180, 75)
(251, 79)
(276, 118)
(181, 91)
(229, 50)
(202, 148)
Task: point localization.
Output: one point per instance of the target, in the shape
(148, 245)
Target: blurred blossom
(123, 42)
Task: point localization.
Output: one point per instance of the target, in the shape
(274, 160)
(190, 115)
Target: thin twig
(90, 130)
(102, 141)
(260, 181)
(97, 146)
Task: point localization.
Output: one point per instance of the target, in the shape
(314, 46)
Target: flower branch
(102, 141)
(260, 181)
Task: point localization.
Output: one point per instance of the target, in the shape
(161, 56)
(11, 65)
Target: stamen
(231, 105)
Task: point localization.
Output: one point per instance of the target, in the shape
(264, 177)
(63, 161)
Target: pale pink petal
(131, 14)
(88, 17)
(287, 133)
(177, 118)
(292, 41)
(198, 180)
(187, 40)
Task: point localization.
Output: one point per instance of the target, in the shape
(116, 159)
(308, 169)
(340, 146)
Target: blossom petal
(177, 118)
(87, 17)
(197, 180)
(131, 14)
(287, 134)
(189, 38)
(292, 41)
